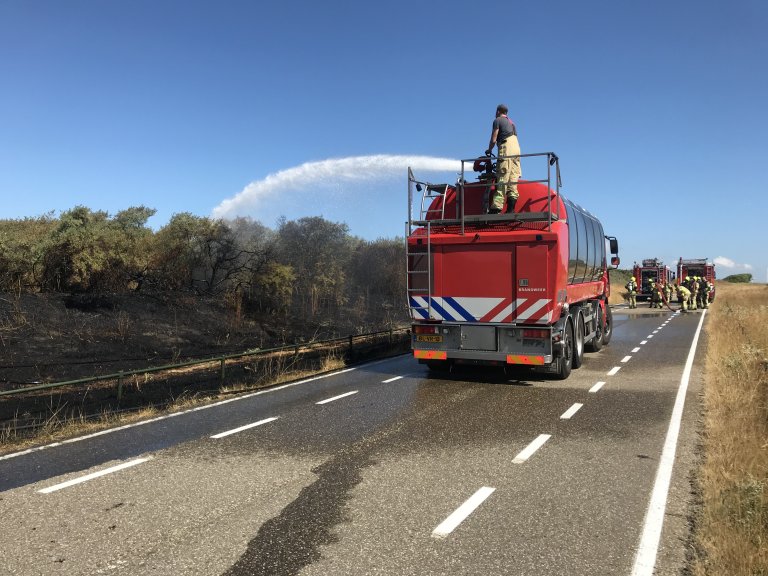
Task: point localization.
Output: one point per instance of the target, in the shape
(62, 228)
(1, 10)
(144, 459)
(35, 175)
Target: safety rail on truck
(527, 288)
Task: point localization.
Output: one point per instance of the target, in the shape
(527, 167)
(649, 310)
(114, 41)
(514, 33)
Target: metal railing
(122, 375)
(552, 181)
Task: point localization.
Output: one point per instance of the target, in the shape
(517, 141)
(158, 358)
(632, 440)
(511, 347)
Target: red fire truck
(697, 267)
(529, 288)
(651, 270)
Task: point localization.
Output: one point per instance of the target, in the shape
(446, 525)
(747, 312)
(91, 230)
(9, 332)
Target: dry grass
(618, 294)
(57, 428)
(277, 369)
(731, 533)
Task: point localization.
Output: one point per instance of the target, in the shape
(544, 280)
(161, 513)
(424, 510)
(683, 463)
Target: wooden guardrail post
(119, 386)
(222, 370)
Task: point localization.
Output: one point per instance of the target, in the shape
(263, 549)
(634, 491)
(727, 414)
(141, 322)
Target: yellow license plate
(428, 338)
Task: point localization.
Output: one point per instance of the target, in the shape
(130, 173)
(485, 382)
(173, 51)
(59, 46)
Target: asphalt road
(382, 469)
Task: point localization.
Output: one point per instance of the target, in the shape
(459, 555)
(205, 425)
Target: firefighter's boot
(496, 203)
(511, 204)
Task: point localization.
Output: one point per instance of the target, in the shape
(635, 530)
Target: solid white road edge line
(337, 397)
(645, 561)
(597, 387)
(460, 514)
(571, 411)
(612, 371)
(531, 448)
(82, 479)
(391, 380)
(175, 414)
(246, 427)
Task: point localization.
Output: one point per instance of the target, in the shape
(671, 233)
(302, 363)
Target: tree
(318, 251)
(377, 283)
(210, 256)
(22, 250)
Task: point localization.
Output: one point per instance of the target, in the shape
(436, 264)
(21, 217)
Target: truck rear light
(425, 329)
(535, 333)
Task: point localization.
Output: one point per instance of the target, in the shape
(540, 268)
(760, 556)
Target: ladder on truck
(419, 257)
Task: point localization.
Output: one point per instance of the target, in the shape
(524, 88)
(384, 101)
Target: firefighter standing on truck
(631, 287)
(504, 135)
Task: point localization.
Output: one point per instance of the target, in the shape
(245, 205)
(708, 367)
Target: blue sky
(657, 110)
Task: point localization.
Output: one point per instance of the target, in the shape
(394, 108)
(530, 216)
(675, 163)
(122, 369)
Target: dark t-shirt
(506, 128)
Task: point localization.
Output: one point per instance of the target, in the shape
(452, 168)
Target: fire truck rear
(700, 267)
(651, 270)
(529, 288)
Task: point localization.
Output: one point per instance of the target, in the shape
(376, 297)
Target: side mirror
(614, 244)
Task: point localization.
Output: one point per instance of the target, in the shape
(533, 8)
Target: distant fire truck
(529, 288)
(651, 270)
(700, 267)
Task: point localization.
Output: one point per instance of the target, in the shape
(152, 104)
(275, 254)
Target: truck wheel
(608, 329)
(578, 341)
(597, 342)
(564, 363)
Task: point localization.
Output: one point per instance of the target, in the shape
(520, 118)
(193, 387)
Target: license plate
(428, 338)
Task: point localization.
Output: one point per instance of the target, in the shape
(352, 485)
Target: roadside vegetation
(88, 294)
(310, 268)
(731, 524)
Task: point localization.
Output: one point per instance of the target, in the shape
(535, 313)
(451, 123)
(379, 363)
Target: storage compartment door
(478, 338)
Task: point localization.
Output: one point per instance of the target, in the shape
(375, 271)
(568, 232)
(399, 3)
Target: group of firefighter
(692, 293)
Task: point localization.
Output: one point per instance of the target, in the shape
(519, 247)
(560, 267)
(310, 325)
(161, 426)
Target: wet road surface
(381, 469)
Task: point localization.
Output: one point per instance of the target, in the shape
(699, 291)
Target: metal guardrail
(120, 376)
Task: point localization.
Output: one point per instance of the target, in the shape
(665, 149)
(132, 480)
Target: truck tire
(565, 362)
(596, 343)
(608, 329)
(578, 341)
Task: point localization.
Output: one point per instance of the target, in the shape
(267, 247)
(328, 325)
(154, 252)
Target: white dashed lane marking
(336, 397)
(242, 428)
(571, 411)
(460, 514)
(88, 477)
(597, 387)
(531, 448)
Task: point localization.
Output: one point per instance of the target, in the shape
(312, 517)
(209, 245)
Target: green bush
(739, 278)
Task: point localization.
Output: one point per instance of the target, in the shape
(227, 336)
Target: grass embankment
(731, 528)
